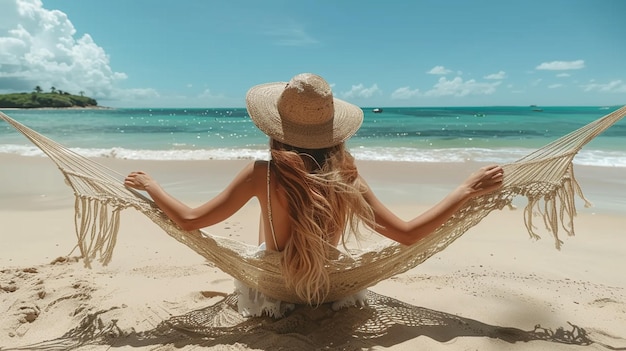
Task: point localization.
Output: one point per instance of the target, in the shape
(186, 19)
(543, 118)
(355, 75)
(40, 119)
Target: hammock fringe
(97, 224)
(562, 198)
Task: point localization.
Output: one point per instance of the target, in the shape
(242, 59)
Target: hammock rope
(545, 177)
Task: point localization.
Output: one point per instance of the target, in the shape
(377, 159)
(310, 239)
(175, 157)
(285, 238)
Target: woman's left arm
(241, 189)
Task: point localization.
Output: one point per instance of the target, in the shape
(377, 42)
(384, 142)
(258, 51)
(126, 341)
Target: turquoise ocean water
(442, 134)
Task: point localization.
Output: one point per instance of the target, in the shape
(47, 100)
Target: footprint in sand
(8, 286)
(24, 288)
(27, 312)
(212, 294)
(603, 302)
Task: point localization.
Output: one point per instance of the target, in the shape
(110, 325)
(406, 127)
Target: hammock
(545, 177)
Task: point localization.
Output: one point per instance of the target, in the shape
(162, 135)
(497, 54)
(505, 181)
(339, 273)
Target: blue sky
(192, 53)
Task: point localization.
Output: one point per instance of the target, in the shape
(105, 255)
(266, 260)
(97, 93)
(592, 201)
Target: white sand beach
(489, 290)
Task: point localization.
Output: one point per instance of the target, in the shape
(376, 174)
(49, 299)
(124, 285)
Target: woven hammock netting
(545, 177)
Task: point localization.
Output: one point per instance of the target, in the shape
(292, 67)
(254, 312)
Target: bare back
(274, 225)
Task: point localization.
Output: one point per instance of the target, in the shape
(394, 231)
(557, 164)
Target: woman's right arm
(483, 181)
(248, 183)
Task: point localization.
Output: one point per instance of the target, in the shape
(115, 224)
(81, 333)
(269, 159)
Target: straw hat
(303, 112)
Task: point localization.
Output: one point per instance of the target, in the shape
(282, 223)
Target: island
(53, 99)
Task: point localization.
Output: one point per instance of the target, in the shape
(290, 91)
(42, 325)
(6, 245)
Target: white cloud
(554, 86)
(291, 33)
(457, 87)
(133, 95)
(38, 47)
(440, 70)
(563, 75)
(561, 65)
(360, 91)
(615, 86)
(404, 93)
(207, 94)
(496, 76)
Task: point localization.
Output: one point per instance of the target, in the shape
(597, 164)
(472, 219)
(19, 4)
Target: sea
(403, 134)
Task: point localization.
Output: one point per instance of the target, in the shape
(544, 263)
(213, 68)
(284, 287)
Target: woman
(310, 192)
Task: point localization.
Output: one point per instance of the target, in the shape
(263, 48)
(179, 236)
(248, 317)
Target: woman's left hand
(138, 180)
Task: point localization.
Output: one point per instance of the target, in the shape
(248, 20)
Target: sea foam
(591, 157)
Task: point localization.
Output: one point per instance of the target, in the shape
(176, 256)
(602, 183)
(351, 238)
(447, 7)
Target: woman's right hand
(138, 180)
(483, 181)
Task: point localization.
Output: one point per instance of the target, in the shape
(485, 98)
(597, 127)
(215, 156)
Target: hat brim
(262, 105)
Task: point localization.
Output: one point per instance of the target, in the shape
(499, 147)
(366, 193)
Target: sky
(196, 54)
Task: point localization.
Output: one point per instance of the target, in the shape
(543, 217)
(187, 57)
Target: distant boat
(479, 115)
(377, 110)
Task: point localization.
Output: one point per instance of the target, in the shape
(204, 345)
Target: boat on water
(377, 110)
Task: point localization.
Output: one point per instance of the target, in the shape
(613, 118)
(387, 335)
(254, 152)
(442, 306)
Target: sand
(489, 290)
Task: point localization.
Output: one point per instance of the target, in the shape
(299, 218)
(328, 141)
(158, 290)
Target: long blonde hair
(325, 198)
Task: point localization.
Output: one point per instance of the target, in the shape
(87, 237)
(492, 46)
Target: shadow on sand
(384, 322)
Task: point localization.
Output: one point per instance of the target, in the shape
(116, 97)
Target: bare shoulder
(368, 194)
(258, 172)
(252, 173)
(364, 186)
(259, 167)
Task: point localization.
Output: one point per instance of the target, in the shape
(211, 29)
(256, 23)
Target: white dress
(253, 303)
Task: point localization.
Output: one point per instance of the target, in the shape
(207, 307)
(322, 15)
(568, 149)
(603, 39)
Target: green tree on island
(39, 99)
